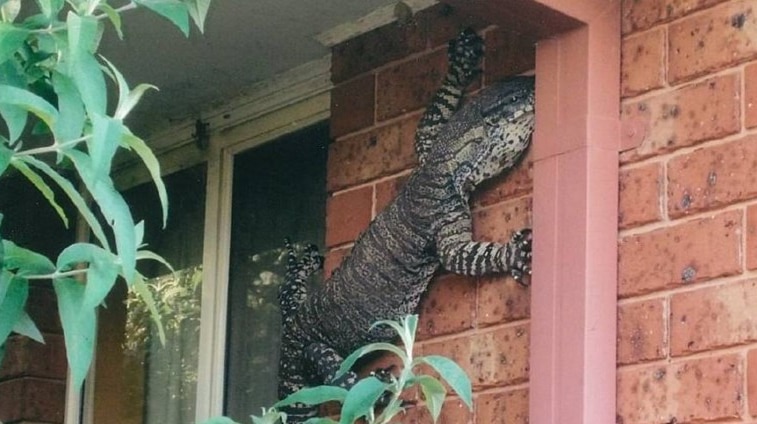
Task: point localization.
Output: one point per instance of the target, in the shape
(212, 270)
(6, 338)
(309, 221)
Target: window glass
(279, 191)
(138, 379)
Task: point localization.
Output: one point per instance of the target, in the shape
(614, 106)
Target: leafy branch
(54, 85)
(360, 401)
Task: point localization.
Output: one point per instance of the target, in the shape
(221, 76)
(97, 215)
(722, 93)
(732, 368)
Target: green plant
(360, 401)
(54, 87)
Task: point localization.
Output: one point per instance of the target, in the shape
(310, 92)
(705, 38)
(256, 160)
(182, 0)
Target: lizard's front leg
(460, 254)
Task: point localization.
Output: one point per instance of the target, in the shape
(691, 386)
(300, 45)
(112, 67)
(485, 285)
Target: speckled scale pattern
(426, 227)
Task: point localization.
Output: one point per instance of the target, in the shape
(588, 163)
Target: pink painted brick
(713, 317)
(685, 116)
(712, 177)
(681, 254)
(642, 331)
(708, 389)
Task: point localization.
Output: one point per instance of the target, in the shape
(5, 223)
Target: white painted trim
(376, 19)
(175, 143)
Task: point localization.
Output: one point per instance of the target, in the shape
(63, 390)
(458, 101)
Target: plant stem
(72, 273)
(53, 148)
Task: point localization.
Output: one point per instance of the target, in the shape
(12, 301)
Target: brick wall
(33, 375)
(687, 322)
(383, 81)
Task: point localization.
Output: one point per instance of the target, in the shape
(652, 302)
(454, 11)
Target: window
(137, 379)
(279, 191)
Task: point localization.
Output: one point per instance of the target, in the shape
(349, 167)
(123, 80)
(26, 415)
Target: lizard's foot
(519, 256)
(312, 260)
(464, 54)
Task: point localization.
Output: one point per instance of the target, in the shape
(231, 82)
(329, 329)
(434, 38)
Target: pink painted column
(573, 311)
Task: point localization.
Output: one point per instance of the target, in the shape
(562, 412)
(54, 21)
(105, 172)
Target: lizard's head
(494, 130)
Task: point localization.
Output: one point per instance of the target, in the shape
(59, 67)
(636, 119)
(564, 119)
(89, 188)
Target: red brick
(713, 40)
(642, 62)
(25, 357)
(639, 195)
(347, 215)
(713, 317)
(641, 331)
(454, 411)
(382, 151)
(493, 358)
(409, 86)
(334, 259)
(708, 389)
(498, 222)
(443, 22)
(509, 407)
(682, 254)
(500, 357)
(751, 381)
(686, 116)
(352, 105)
(387, 190)
(501, 300)
(32, 399)
(507, 54)
(517, 182)
(643, 14)
(750, 95)
(448, 306)
(712, 177)
(375, 48)
(751, 237)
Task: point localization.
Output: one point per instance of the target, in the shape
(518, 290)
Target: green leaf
(113, 207)
(5, 158)
(452, 374)
(11, 73)
(361, 398)
(12, 306)
(102, 270)
(74, 196)
(71, 107)
(9, 10)
(173, 10)
(42, 186)
(114, 17)
(24, 261)
(127, 99)
(349, 361)
(11, 39)
(314, 396)
(320, 420)
(106, 137)
(153, 166)
(26, 327)
(220, 420)
(198, 10)
(79, 326)
(140, 289)
(83, 68)
(149, 255)
(50, 8)
(29, 101)
(433, 393)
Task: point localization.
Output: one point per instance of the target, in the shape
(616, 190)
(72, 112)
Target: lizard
(426, 227)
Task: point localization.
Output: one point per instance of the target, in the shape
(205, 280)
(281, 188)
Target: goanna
(427, 226)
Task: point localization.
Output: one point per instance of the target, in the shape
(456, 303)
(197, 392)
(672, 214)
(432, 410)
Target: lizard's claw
(519, 256)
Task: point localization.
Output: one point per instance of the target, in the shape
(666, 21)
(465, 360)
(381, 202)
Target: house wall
(687, 322)
(383, 81)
